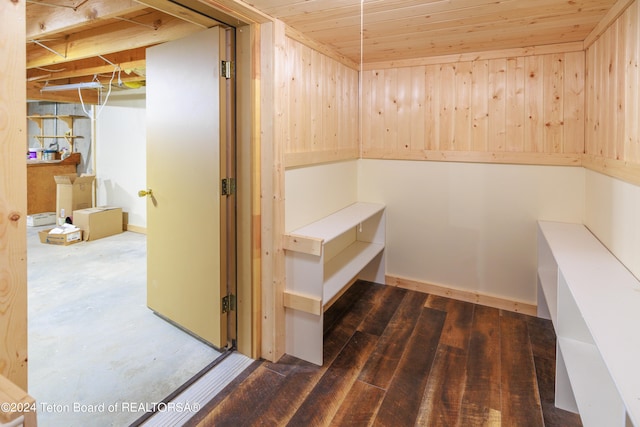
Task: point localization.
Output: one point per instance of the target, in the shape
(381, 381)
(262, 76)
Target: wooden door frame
(260, 208)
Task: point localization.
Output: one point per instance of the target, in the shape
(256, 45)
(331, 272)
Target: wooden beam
(45, 21)
(71, 96)
(133, 59)
(623, 170)
(614, 13)
(235, 12)
(13, 195)
(154, 27)
(476, 56)
(504, 157)
(181, 12)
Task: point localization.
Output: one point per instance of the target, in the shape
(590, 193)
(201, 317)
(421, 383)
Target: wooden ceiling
(72, 41)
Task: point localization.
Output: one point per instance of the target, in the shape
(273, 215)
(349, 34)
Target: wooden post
(13, 194)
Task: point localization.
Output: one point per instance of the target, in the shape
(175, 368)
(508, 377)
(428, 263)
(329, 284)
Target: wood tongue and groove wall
(503, 107)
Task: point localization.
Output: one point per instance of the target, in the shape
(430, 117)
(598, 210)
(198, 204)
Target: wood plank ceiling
(71, 41)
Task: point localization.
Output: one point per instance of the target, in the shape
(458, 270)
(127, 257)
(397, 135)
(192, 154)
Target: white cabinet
(594, 304)
(322, 260)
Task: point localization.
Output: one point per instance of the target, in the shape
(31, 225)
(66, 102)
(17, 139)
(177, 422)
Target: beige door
(186, 236)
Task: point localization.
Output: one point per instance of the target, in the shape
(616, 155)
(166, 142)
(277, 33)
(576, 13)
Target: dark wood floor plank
(520, 400)
(254, 392)
(384, 307)
(280, 405)
(404, 396)
(343, 328)
(553, 417)
(381, 366)
(542, 337)
(481, 401)
(445, 387)
(442, 363)
(457, 326)
(325, 399)
(360, 406)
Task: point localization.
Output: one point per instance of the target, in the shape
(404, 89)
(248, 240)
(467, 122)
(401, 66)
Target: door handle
(143, 193)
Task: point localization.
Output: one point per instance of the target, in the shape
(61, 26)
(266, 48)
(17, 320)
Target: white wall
(121, 154)
(470, 226)
(313, 192)
(612, 213)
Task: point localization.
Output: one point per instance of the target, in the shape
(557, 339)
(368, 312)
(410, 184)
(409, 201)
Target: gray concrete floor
(97, 355)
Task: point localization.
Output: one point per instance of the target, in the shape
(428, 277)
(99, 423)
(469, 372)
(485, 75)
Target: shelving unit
(594, 304)
(322, 260)
(67, 119)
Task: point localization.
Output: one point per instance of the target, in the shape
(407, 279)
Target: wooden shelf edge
(308, 304)
(304, 244)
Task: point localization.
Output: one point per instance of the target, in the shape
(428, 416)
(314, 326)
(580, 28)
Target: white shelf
(548, 282)
(332, 226)
(598, 305)
(323, 258)
(594, 390)
(340, 270)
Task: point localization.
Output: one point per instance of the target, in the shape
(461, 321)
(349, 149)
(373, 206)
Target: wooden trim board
(463, 295)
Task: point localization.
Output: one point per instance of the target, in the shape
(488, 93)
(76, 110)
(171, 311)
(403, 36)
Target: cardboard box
(62, 239)
(73, 193)
(45, 218)
(99, 222)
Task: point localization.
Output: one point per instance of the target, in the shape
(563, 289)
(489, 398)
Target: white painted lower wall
(121, 155)
(313, 192)
(612, 213)
(470, 226)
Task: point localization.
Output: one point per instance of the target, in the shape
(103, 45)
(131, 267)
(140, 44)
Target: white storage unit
(594, 304)
(322, 259)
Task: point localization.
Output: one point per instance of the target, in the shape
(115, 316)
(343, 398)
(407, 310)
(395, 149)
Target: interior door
(186, 221)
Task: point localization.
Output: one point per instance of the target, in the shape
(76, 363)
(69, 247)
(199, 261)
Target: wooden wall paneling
(13, 199)
(480, 105)
(619, 89)
(632, 76)
(418, 108)
(390, 111)
(317, 107)
(447, 88)
(534, 101)
(432, 98)
(515, 104)
(497, 104)
(553, 99)
(330, 86)
(574, 102)
(462, 131)
(378, 110)
(403, 104)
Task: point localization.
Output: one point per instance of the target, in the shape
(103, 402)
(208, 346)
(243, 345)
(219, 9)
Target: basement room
(344, 212)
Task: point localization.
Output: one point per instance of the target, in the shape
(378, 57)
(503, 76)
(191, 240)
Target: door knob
(143, 193)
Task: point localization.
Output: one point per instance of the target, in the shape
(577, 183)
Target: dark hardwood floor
(395, 357)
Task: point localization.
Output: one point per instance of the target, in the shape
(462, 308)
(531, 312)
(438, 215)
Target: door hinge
(228, 186)
(228, 303)
(227, 68)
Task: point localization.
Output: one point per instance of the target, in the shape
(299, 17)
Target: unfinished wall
(121, 155)
(504, 106)
(612, 209)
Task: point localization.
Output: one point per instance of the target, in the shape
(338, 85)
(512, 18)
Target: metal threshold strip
(181, 405)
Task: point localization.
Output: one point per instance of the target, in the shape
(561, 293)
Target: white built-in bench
(322, 260)
(594, 304)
